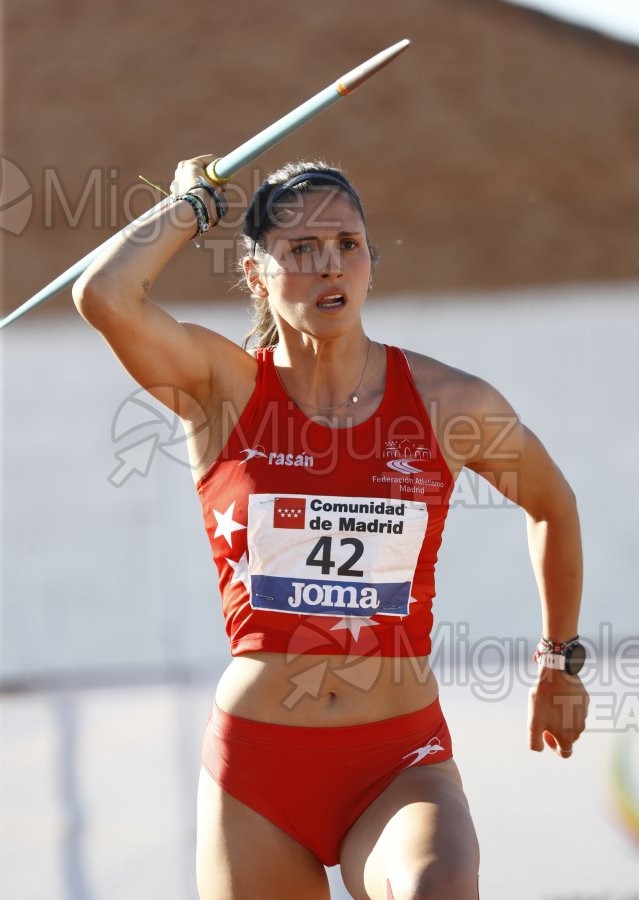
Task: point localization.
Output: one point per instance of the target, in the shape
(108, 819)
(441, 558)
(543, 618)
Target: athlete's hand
(557, 710)
(190, 171)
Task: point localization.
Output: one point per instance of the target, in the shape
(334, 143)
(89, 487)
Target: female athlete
(325, 478)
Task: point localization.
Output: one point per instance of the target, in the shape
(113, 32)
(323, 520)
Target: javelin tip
(355, 77)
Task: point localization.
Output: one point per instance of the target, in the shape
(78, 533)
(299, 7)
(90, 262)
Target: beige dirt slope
(502, 149)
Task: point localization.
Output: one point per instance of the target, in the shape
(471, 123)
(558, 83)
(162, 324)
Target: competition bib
(333, 556)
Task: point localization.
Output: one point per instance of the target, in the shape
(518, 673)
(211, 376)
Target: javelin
(223, 168)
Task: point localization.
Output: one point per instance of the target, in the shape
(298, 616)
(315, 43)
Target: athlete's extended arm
(514, 461)
(112, 296)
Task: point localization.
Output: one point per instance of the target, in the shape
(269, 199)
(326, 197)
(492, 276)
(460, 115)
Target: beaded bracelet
(199, 208)
(221, 204)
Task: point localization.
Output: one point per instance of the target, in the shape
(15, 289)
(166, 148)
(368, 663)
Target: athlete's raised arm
(181, 364)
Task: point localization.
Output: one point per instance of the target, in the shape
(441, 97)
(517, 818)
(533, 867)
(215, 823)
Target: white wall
(97, 787)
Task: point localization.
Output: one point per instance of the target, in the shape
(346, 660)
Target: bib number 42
(322, 556)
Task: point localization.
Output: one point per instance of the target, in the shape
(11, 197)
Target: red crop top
(325, 539)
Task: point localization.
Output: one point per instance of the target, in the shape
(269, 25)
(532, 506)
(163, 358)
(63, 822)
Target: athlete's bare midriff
(332, 690)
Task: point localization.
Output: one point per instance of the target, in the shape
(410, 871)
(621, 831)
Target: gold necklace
(352, 398)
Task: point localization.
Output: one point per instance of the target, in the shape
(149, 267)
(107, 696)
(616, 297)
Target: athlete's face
(317, 266)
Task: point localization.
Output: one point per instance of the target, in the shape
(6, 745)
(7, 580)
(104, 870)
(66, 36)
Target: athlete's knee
(436, 880)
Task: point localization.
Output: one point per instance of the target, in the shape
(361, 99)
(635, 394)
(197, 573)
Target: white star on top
(240, 571)
(225, 524)
(354, 624)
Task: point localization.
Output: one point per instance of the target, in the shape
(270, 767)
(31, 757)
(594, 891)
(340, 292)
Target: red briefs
(314, 783)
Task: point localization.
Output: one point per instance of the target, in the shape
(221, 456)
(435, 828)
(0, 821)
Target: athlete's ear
(253, 277)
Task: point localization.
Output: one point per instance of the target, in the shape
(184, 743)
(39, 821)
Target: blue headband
(312, 178)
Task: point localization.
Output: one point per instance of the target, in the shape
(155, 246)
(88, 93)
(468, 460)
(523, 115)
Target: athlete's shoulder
(455, 388)
(437, 377)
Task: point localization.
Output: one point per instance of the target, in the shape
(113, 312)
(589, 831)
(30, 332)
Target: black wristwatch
(568, 657)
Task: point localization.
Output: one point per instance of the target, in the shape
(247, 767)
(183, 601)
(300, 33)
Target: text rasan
(291, 459)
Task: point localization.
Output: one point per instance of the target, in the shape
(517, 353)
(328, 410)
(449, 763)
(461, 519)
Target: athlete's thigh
(417, 836)
(241, 855)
